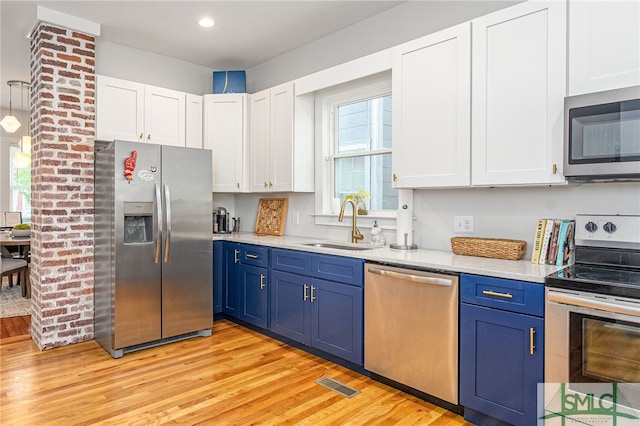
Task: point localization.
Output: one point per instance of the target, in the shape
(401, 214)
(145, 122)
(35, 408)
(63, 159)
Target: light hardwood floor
(235, 377)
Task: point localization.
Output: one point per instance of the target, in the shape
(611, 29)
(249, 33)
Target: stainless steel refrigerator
(153, 248)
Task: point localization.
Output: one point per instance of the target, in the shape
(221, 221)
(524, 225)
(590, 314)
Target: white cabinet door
(432, 110)
(604, 45)
(281, 152)
(164, 116)
(119, 109)
(518, 89)
(193, 121)
(260, 141)
(226, 134)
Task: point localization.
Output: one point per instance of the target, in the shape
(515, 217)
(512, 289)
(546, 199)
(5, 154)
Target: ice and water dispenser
(138, 223)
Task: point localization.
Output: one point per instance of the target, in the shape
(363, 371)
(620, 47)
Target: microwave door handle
(167, 204)
(158, 203)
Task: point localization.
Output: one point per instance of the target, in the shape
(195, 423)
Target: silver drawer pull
(251, 256)
(496, 294)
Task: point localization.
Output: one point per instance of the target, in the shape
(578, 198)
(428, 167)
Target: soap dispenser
(377, 239)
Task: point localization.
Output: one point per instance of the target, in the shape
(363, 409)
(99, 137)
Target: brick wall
(63, 131)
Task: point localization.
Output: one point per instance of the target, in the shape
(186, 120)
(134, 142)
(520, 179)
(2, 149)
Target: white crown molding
(67, 21)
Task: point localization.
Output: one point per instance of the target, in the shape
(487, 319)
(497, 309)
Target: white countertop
(434, 259)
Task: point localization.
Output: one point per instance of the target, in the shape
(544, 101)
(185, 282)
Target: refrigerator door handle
(158, 202)
(167, 203)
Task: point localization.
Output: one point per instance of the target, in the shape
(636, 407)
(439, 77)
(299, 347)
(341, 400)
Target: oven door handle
(567, 299)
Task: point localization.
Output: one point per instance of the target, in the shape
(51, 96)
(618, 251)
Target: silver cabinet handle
(410, 277)
(305, 297)
(261, 281)
(167, 203)
(251, 256)
(158, 201)
(235, 255)
(312, 296)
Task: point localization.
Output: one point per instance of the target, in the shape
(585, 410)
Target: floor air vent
(336, 386)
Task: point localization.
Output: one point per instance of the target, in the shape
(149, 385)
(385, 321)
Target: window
(355, 123)
(19, 187)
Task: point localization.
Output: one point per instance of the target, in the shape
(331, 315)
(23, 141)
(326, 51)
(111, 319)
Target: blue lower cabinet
(254, 299)
(219, 275)
(337, 319)
(246, 291)
(231, 290)
(501, 363)
(290, 309)
(324, 314)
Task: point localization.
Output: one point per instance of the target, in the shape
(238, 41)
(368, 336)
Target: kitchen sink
(339, 246)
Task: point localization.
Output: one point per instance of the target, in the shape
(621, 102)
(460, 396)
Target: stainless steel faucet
(355, 233)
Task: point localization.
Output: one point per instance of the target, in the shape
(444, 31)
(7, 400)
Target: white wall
(402, 23)
(497, 212)
(119, 61)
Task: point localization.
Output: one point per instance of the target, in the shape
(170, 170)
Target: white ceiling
(246, 33)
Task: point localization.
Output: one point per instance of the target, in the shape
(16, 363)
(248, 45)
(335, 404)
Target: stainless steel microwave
(602, 135)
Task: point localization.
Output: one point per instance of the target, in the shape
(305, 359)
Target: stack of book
(554, 243)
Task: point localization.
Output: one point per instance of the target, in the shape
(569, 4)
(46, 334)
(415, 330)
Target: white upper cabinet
(119, 109)
(518, 88)
(137, 112)
(604, 45)
(193, 121)
(164, 116)
(226, 133)
(281, 141)
(432, 110)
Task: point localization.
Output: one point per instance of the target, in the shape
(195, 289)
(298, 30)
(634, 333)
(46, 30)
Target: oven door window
(603, 350)
(605, 133)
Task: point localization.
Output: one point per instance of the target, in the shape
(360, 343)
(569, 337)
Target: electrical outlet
(463, 224)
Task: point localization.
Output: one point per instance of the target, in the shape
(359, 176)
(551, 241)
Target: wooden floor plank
(234, 377)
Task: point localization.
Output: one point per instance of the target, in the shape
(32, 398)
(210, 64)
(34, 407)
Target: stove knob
(609, 227)
(591, 227)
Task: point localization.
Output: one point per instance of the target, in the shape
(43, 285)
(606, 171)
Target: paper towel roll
(335, 205)
(404, 225)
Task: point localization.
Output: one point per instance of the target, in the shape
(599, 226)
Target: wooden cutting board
(271, 217)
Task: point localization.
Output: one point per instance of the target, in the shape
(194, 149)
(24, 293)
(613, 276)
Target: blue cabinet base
(479, 418)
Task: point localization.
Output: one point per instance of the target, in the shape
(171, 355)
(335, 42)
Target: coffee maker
(221, 223)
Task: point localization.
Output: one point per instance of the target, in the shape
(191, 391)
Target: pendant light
(22, 159)
(10, 123)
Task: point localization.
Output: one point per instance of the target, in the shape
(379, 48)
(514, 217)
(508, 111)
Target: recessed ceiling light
(206, 22)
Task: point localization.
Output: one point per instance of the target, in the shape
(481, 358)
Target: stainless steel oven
(592, 319)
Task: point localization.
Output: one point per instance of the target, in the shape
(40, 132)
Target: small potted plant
(358, 198)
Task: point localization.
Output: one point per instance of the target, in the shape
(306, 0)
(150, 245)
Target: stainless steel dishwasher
(411, 328)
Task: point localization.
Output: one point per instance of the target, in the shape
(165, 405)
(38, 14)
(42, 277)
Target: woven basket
(489, 247)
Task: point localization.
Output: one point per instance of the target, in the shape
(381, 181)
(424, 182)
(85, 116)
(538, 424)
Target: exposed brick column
(63, 131)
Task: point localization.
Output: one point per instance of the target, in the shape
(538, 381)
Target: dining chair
(20, 267)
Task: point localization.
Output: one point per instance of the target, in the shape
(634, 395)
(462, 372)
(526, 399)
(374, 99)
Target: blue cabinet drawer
(296, 262)
(254, 255)
(510, 295)
(340, 269)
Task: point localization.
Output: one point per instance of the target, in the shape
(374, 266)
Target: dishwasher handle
(422, 279)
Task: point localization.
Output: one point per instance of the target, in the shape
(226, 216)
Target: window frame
(326, 102)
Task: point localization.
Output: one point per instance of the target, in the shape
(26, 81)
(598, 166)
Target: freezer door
(137, 290)
(187, 251)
